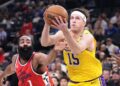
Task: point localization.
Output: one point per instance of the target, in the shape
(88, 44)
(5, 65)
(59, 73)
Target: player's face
(25, 41)
(76, 22)
(25, 48)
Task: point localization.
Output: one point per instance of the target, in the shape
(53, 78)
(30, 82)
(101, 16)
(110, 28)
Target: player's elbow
(44, 44)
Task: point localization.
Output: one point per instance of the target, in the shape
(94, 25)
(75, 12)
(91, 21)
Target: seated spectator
(63, 81)
(102, 53)
(106, 75)
(110, 31)
(3, 36)
(110, 46)
(115, 78)
(1, 55)
(27, 25)
(55, 81)
(98, 30)
(116, 58)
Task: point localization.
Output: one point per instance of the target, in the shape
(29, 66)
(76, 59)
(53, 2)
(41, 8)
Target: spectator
(1, 55)
(3, 36)
(116, 77)
(26, 25)
(114, 18)
(98, 30)
(64, 81)
(110, 31)
(55, 81)
(116, 58)
(103, 23)
(106, 75)
(110, 46)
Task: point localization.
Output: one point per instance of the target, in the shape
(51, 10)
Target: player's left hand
(60, 23)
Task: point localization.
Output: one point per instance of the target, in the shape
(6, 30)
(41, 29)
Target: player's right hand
(45, 20)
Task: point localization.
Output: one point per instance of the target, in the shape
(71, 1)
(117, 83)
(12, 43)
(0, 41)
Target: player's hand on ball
(60, 23)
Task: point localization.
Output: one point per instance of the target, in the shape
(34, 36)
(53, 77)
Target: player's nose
(74, 20)
(25, 44)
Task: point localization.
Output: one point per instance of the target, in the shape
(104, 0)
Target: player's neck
(77, 34)
(23, 61)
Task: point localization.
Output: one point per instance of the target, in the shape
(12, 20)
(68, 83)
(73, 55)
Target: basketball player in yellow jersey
(78, 46)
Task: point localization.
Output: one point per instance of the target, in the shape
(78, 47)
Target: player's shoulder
(88, 34)
(86, 31)
(38, 55)
(15, 56)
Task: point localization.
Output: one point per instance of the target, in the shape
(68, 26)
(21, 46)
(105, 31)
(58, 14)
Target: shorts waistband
(84, 81)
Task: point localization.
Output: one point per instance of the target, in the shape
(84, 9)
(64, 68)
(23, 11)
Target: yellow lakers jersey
(84, 66)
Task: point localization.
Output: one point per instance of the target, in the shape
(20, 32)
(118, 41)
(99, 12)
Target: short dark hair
(64, 77)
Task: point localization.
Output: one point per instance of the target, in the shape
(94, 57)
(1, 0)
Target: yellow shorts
(96, 82)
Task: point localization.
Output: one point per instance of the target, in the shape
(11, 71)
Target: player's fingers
(64, 20)
(61, 20)
(53, 26)
(57, 20)
(54, 22)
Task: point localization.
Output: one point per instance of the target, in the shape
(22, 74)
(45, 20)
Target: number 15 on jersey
(73, 60)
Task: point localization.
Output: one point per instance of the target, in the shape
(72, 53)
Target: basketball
(54, 11)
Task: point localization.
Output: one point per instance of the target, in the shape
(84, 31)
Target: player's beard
(25, 52)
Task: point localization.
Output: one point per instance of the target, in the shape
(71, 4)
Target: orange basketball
(54, 11)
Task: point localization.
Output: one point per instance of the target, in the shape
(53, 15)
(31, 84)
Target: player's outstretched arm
(77, 47)
(47, 39)
(46, 59)
(10, 69)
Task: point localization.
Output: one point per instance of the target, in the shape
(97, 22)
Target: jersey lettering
(73, 60)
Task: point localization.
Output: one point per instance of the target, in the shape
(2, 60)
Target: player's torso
(28, 77)
(82, 67)
(79, 66)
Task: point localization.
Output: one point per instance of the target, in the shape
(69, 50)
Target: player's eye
(71, 17)
(21, 41)
(28, 41)
(78, 18)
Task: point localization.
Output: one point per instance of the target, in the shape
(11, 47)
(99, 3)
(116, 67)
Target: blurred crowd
(26, 17)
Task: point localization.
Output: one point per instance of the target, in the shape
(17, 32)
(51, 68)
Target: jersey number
(73, 60)
(30, 83)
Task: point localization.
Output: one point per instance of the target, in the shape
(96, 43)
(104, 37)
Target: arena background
(19, 17)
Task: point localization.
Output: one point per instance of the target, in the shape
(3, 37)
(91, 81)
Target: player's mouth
(73, 25)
